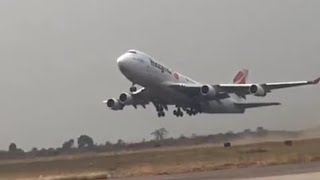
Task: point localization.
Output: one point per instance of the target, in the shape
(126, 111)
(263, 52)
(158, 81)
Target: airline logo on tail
(241, 77)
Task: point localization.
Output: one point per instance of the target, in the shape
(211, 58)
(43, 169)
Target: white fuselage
(145, 71)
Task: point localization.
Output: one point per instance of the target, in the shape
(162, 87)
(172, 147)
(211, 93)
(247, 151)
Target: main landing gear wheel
(160, 110)
(191, 112)
(178, 112)
(161, 114)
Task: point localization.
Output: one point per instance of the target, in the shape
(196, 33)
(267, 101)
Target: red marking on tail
(176, 75)
(241, 77)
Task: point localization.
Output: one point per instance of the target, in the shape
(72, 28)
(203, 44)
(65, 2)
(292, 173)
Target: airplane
(163, 87)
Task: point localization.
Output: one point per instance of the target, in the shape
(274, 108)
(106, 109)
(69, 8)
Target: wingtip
(316, 81)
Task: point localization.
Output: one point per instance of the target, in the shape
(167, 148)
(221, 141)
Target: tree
(182, 137)
(229, 135)
(68, 144)
(85, 141)
(160, 134)
(120, 142)
(194, 135)
(34, 149)
(108, 144)
(247, 131)
(13, 147)
(261, 131)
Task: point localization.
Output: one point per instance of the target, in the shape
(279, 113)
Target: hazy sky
(58, 63)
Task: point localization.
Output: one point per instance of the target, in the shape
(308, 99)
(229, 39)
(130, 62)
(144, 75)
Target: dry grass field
(162, 162)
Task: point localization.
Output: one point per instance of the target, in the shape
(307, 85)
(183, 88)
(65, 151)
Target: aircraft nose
(122, 62)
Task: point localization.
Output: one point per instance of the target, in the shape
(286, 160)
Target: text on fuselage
(160, 67)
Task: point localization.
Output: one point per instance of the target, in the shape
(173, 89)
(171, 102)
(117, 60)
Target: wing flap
(255, 105)
(241, 89)
(193, 90)
(189, 89)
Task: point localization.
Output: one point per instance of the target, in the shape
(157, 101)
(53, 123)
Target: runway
(307, 171)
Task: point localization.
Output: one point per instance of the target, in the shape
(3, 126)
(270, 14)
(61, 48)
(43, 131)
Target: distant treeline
(85, 143)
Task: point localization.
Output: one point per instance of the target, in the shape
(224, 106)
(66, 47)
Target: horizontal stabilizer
(254, 105)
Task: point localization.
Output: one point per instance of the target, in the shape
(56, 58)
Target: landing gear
(191, 112)
(160, 110)
(178, 112)
(161, 114)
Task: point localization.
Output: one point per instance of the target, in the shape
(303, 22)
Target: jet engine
(126, 98)
(114, 104)
(257, 90)
(208, 91)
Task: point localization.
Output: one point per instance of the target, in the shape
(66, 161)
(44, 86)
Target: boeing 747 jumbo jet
(162, 87)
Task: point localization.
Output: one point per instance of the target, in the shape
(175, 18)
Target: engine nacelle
(114, 104)
(257, 90)
(126, 98)
(208, 91)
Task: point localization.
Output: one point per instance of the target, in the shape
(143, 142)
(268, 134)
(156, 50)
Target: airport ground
(206, 162)
(302, 171)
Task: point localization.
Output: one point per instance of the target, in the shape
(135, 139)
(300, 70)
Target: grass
(164, 162)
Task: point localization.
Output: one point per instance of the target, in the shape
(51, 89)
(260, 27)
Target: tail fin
(241, 77)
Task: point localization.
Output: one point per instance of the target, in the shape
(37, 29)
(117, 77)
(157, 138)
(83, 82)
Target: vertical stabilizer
(241, 77)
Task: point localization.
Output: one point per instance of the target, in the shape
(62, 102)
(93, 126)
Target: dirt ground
(171, 161)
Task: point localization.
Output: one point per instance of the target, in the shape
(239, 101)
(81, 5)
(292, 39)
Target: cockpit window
(132, 51)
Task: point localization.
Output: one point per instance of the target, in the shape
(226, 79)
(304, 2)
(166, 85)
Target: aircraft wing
(140, 97)
(240, 89)
(244, 89)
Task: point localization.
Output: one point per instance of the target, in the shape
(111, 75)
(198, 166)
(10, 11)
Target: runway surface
(307, 171)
